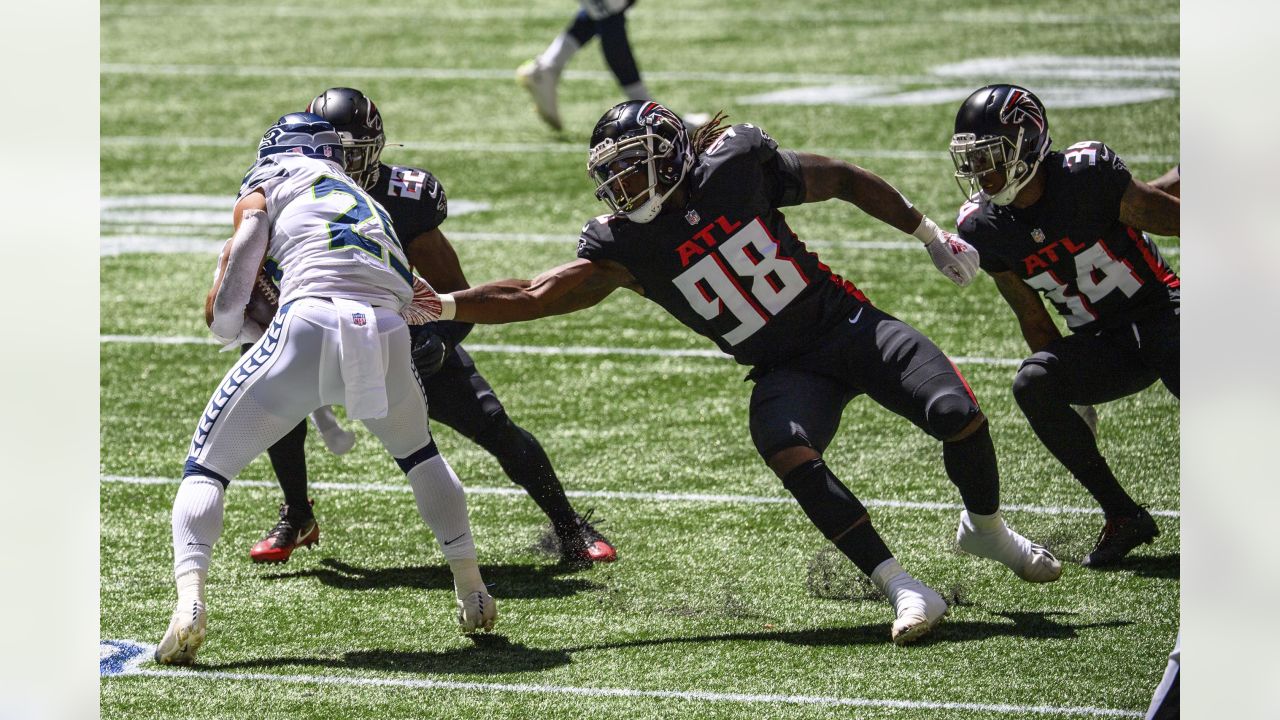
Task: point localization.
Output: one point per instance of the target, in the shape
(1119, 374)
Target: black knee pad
(949, 413)
(1033, 382)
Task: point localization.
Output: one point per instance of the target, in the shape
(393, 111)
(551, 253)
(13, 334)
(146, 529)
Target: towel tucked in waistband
(361, 360)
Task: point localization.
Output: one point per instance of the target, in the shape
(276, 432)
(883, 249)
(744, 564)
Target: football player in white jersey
(338, 338)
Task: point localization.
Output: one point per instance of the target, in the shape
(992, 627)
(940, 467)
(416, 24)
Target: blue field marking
(120, 657)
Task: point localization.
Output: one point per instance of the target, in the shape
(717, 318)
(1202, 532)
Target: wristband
(927, 232)
(448, 308)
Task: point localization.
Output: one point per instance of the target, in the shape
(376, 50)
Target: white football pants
(291, 371)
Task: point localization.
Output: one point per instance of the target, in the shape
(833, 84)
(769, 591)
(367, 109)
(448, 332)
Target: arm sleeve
(595, 242)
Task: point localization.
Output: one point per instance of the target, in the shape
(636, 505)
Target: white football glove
(954, 258)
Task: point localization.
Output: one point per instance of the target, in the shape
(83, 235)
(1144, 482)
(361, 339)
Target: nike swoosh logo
(854, 319)
(450, 542)
(199, 544)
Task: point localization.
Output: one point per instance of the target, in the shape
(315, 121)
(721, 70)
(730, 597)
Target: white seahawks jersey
(328, 237)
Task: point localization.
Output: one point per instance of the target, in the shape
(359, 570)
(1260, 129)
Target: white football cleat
(185, 635)
(338, 439)
(997, 541)
(541, 83)
(917, 607)
(477, 610)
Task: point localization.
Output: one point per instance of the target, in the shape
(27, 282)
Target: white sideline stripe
(567, 148)
(532, 349)
(643, 496)
(720, 14)
(633, 693)
(125, 244)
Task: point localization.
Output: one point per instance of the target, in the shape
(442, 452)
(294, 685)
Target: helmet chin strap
(650, 209)
(1014, 183)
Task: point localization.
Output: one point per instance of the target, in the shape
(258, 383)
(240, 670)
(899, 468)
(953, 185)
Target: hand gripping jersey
(413, 198)
(328, 237)
(1071, 245)
(727, 265)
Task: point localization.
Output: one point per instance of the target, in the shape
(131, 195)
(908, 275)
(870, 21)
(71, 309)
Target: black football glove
(428, 350)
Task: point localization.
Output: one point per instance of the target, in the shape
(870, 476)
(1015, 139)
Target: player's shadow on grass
(1026, 625)
(489, 655)
(1163, 567)
(506, 581)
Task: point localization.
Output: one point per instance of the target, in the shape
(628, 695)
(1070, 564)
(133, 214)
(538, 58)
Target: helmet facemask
(613, 165)
(363, 157)
(975, 158)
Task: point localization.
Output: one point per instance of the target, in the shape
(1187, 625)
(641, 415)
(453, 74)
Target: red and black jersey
(414, 199)
(727, 265)
(1071, 246)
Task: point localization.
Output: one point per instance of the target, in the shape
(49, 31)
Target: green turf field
(726, 602)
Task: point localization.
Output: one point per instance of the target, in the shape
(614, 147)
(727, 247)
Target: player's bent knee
(952, 415)
(417, 457)
(788, 459)
(1033, 383)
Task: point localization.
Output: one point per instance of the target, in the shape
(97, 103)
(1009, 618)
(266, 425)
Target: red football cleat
(591, 546)
(288, 534)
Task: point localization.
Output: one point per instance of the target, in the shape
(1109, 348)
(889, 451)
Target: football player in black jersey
(1071, 226)
(696, 227)
(457, 395)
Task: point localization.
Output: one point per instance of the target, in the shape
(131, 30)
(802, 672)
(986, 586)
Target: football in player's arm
(1070, 226)
(696, 227)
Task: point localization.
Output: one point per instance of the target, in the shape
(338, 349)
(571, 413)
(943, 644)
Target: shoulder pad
(415, 184)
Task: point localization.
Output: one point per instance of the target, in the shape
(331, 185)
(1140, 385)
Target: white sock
(191, 588)
(559, 53)
(886, 573)
(443, 506)
(636, 91)
(984, 523)
(197, 523)
(466, 576)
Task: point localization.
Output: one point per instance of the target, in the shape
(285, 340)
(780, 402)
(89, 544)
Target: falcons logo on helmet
(1018, 107)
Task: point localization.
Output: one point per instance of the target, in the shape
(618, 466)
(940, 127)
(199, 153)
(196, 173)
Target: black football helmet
(304, 134)
(360, 124)
(634, 137)
(999, 128)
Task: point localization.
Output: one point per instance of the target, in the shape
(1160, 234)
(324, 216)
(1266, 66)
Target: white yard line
(718, 14)
(435, 146)
(695, 695)
(577, 350)
(186, 242)
(657, 497)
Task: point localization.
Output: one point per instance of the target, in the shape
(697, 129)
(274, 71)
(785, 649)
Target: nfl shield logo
(358, 319)
(692, 217)
(1037, 235)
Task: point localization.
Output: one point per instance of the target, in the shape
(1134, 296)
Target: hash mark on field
(658, 497)
(697, 695)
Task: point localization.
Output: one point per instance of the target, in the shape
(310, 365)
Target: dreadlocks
(704, 136)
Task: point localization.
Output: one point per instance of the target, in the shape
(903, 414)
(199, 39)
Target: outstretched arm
(826, 178)
(573, 286)
(1146, 208)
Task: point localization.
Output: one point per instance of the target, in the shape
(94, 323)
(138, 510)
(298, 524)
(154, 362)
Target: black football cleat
(581, 544)
(1119, 536)
(293, 530)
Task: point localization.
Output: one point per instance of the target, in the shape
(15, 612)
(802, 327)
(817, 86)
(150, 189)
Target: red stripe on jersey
(1163, 272)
